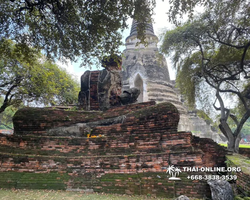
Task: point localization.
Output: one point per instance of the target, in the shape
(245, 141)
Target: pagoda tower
(146, 69)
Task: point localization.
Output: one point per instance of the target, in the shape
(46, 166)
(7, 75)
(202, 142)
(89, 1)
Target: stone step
(163, 90)
(166, 97)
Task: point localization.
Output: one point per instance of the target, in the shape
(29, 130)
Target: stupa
(145, 68)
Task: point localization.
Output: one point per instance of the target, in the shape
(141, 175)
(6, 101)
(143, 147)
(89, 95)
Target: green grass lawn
(63, 195)
(59, 195)
(241, 145)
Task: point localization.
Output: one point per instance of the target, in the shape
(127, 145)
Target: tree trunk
(237, 143)
(7, 99)
(237, 132)
(225, 129)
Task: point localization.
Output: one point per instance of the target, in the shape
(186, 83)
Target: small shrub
(238, 198)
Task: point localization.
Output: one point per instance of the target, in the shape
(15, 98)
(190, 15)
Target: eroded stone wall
(127, 158)
(37, 121)
(100, 89)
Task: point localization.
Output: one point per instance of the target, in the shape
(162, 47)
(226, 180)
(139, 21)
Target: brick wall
(243, 177)
(128, 159)
(245, 152)
(243, 182)
(100, 89)
(38, 120)
(214, 154)
(139, 173)
(93, 90)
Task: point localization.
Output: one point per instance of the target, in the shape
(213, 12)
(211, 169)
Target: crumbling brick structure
(100, 89)
(124, 155)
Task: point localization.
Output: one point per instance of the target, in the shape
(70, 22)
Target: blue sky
(160, 24)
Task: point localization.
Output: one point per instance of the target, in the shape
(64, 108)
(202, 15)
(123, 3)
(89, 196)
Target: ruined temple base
(126, 157)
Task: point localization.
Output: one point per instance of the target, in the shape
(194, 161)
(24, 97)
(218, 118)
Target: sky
(160, 23)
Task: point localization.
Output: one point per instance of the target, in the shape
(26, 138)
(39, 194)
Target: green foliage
(178, 8)
(212, 58)
(238, 198)
(204, 116)
(187, 80)
(26, 180)
(6, 116)
(246, 95)
(245, 129)
(112, 60)
(207, 47)
(60, 194)
(241, 145)
(27, 77)
(72, 29)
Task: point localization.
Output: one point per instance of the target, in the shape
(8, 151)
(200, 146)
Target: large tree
(83, 29)
(211, 52)
(26, 76)
(72, 28)
(180, 8)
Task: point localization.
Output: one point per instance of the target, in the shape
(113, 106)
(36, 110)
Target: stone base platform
(125, 156)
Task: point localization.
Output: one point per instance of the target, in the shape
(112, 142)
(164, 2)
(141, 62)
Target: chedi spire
(132, 39)
(149, 29)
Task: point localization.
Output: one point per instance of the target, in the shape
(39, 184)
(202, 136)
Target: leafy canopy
(212, 57)
(212, 47)
(26, 77)
(72, 28)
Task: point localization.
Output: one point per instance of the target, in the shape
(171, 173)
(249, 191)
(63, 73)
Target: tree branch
(7, 83)
(224, 114)
(6, 126)
(234, 118)
(242, 121)
(244, 55)
(6, 101)
(224, 43)
(215, 107)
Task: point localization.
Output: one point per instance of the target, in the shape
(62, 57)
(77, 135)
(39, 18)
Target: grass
(240, 161)
(241, 145)
(63, 195)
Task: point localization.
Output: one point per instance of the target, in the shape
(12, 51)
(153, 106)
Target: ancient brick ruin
(105, 146)
(100, 89)
(125, 156)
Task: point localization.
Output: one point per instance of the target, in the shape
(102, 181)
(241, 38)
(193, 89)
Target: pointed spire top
(132, 40)
(149, 28)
